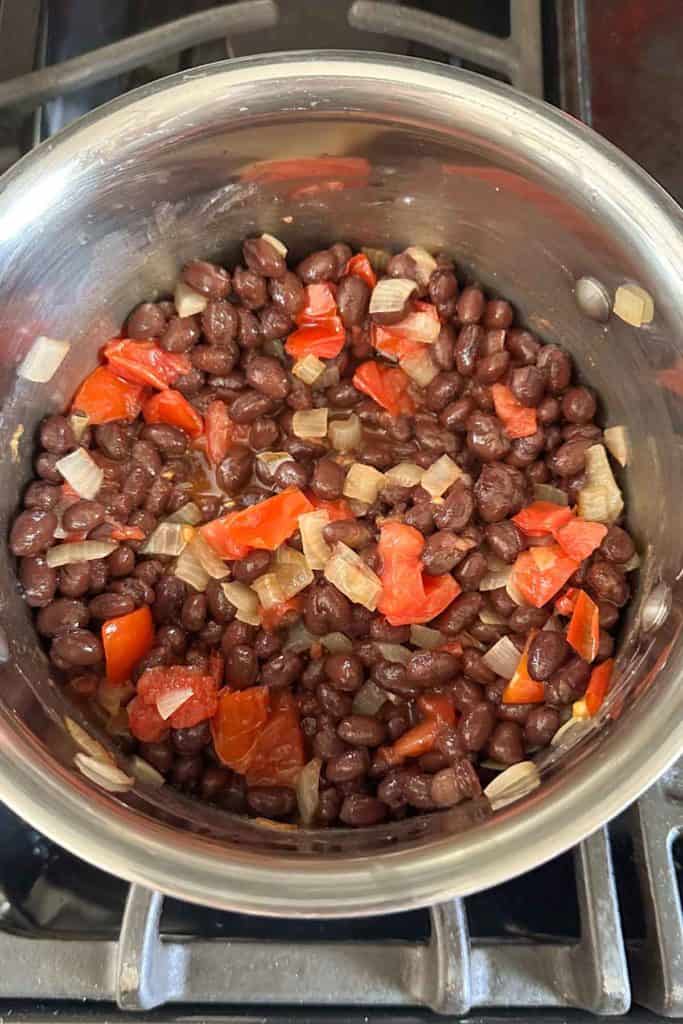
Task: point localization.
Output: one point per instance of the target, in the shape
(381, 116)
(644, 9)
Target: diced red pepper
(158, 682)
(235, 727)
(169, 406)
(387, 385)
(418, 740)
(359, 266)
(126, 640)
(218, 432)
(324, 339)
(217, 534)
(145, 362)
(583, 633)
(278, 754)
(273, 617)
(266, 525)
(339, 509)
(542, 518)
(420, 326)
(393, 346)
(518, 420)
(522, 689)
(409, 596)
(539, 573)
(123, 533)
(437, 705)
(579, 538)
(320, 303)
(104, 397)
(145, 722)
(598, 684)
(565, 603)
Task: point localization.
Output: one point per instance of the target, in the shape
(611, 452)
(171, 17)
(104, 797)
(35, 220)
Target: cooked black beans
(207, 278)
(547, 651)
(32, 532)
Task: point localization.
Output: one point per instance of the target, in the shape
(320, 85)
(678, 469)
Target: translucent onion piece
(570, 732)
(169, 539)
(512, 784)
(633, 563)
(317, 551)
(169, 702)
(212, 565)
(244, 600)
(336, 643)
(81, 472)
(273, 460)
(363, 483)
(599, 474)
(394, 652)
(617, 442)
(280, 247)
(441, 475)
(308, 790)
(269, 590)
(298, 638)
(190, 569)
(308, 369)
(345, 435)
(426, 637)
(546, 492)
(349, 574)
(497, 576)
(108, 776)
(369, 699)
(391, 294)
(293, 579)
(144, 772)
(378, 258)
(79, 423)
(405, 474)
(593, 504)
(503, 658)
(187, 301)
(79, 551)
(513, 592)
(310, 423)
(491, 618)
(188, 514)
(634, 305)
(426, 264)
(420, 367)
(86, 742)
(43, 359)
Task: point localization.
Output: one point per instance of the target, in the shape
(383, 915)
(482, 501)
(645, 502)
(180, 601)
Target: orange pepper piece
(169, 406)
(104, 397)
(386, 385)
(359, 266)
(518, 420)
(278, 754)
(235, 727)
(522, 689)
(579, 538)
(126, 640)
(145, 362)
(437, 705)
(265, 525)
(542, 518)
(539, 573)
(598, 685)
(583, 633)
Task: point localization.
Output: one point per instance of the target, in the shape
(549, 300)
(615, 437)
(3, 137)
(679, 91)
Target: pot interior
(105, 215)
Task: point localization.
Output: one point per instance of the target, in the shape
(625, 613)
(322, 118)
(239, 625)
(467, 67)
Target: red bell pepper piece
(393, 346)
(439, 706)
(123, 533)
(273, 617)
(104, 397)
(126, 640)
(320, 303)
(387, 385)
(218, 432)
(339, 509)
(583, 633)
(145, 722)
(266, 525)
(235, 727)
(518, 420)
(324, 339)
(169, 406)
(539, 573)
(579, 538)
(565, 603)
(409, 596)
(542, 518)
(418, 740)
(598, 684)
(157, 682)
(359, 266)
(217, 534)
(421, 325)
(278, 754)
(522, 689)
(145, 362)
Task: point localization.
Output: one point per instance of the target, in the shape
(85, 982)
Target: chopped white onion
(345, 435)
(317, 551)
(244, 600)
(617, 442)
(187, 301)
(310, 423)
(189, 514)
(308, 790)
(394, 652)
(145, 772)
(308, 369)
(81, 472)
(405, 474)
(391, 294)
(420, 367)
(369, 699)
(425, 262)
(336, 643)
(79, 551)
(298, 638)
(269, 590)
(491, 618)
(633, 304)
(363, 483)
(212, 565)
(514, 592)
(280, 247)
(546, 492)
(292, 570)
(79, 423)
(441, 475)
(497, 575)
(43, 359)
(570, 732)
(170, 701)
(348, 573)
(106, 775)
(512, 784)
(593, 504)
(599, 475)
(426, 637)
(169, 540)
(86, 742)
(503, 658)
(189, 569)
(273, 460)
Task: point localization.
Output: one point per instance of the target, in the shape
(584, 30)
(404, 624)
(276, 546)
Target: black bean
(213, 781)
(353, 299)
(495, 493)
(547, 652)
(274, 323)
(474, 667)
(431, 668)
(556, 367)
(505, 540)
(471, 305)
(250, 406)
(443, 292)
(568, 683)
(506, 743)
(193, 614)
(522, 346)
(41, 495)
(45, 467)
(418, 790)
(241, 667)
(159, 755)
(541, 725)
(187, 771)
(146, 321)
(607, 583)
(191, 740)
(352, 532)
(172, 636)
(527, 384)
(207, 278)
(281, 670)
(83, 515)
(360, 810)
(344, 671)
(467, 349)
(287, 293)
(235, 469)
(325, 609)
(220, 324)
(328, 480)
(485, 437)
(476, 725)
(78, 647)
(32, 532)
(291, 474)
(168, 602)
(569, 459)
(579, 405)
(333, 702)
(108, 606)
(460, 614)
(260, 255)
(236, 633)
(38, 580)
(326, 744)
(617, 546)
(181, 334)
(56, 435)
(362, 731)
(319, 266)
(609, 614)
(253, 565)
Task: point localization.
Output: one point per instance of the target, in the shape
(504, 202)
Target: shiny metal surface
(526, 199)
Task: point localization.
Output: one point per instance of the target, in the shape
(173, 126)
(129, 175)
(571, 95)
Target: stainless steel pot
(528, 201)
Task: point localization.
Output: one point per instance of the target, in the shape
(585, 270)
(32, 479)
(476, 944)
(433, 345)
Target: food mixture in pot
(330, 545)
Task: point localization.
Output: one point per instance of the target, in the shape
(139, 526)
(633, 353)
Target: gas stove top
(598, 930)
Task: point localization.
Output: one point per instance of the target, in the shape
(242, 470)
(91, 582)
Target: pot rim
(108, 833)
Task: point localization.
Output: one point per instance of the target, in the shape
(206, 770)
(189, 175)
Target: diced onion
(79, 423)
(363, 483)
(617, 442)
(336, 643)
(593, 504)
(369, 699)
(190, 569)
(633, 304)
(280, 247)
(170, 701)
(308, 790)
(546, 492)
(405, 474)
(310, 423)
(420, 367)
(43, 359)
(497, 575)
(189, 514)
(599, 475)
(298, 638)
(349, 574)
(570, 732)
(391, 294)
(317, 551)
(169, 539)
(269, 590)
(441, 475)
(503, 658)
(345, 435)
(425, 262)
(244, 600)
(394, 652)
(292, 571)
(79, 551)
(426, 637)
(512, 784)
(308, 369)
(187, 301)
(491, 618)
(378, 258)
(81, 472)
(273, 460)
(513, 591)
(86, 742)
(106, 775)
(144, 772)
